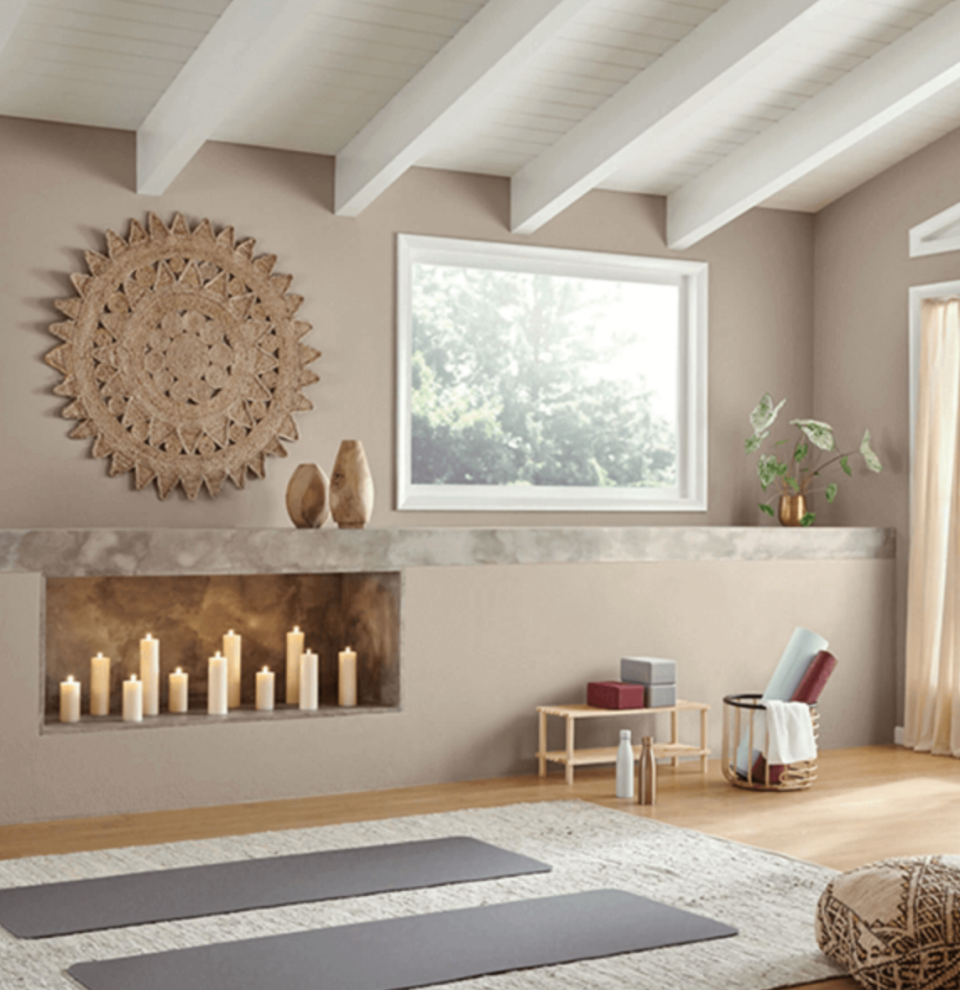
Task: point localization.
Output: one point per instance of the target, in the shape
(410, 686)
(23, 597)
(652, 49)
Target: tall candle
(100, 685)
(133, 700)
(265, 686)
(217, 685)
(178, 691)
(347, 682)
(309, 682)
(231, 650)
(294, 652)
(150, 674)
(70, 700)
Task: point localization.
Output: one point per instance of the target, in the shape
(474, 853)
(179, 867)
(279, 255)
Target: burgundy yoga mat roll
(809, 689)
(816, 677)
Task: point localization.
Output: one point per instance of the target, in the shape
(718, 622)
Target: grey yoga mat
(195, 891)
(418, 950)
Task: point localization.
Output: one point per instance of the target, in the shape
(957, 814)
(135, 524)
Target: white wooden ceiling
(719, 105)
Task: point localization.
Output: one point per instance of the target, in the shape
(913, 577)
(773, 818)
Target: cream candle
(178, 691)
(231, 650)
(70, 700)
(150, 674)
(292, 672)
(100, 685)
(133, 700)
(347, 681)
(309, 682)
(217, 685)
(265, 690)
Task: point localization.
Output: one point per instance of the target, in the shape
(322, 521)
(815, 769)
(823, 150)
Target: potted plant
(800, 473)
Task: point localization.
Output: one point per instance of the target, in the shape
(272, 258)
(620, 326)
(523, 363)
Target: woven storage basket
(741, 724)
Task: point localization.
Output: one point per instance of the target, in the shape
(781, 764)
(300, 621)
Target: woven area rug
(770, 898)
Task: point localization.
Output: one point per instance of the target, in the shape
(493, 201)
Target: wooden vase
(308, 497)
(792, 509)
(351, 487)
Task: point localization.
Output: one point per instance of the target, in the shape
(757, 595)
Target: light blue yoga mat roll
(797, 657)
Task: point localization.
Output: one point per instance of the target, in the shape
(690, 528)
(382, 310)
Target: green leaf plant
(797, 468)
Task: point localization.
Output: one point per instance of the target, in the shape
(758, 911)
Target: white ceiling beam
(498, 39)
(248, 36)
(716, 54)
(912, 69)
(10, 11)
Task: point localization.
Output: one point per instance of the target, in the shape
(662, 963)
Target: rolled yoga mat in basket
(804, 645)
(809, 690)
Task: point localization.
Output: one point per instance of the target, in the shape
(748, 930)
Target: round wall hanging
(183, 356)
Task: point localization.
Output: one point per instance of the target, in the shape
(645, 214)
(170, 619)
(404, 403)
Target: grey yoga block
(660, 695)
(648, 670)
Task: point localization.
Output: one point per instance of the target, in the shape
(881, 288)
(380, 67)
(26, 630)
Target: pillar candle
(231, 650)
(309, 682)
(217, 685)
(294, 652)
(178, 693)
(347, 682)
(150, 674)
(265, 684)
(100, 685)
(70, 700)
(133, 700)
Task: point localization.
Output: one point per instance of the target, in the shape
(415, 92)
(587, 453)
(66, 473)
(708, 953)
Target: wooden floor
(867, 804)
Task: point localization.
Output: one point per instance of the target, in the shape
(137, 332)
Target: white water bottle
(625, 766)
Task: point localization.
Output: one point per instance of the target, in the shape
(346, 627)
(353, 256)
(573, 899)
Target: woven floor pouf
(895, 924)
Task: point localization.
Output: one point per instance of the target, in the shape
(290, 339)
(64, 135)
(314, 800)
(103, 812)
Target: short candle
(70, 700)
(178, 698)
(100, 685)
(347, 682)
(265, 690)
(133, 700)
(292, 670)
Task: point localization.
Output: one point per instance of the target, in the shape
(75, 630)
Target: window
(545, 379)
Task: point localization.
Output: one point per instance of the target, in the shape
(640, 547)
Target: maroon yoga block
(614, 694)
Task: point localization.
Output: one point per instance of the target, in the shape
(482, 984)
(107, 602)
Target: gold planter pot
(792, 509)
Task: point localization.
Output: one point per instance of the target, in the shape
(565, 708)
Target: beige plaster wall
(483, 646)
(862, 274)
(61, 186)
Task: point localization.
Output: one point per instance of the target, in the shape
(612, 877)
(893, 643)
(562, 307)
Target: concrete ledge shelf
(136, 552)
(238, 716)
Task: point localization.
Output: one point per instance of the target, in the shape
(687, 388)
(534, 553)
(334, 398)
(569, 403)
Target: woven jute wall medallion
(183, 357)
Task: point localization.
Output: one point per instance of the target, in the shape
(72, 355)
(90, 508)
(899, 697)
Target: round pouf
(895, 925)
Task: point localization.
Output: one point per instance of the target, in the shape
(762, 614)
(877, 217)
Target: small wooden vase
(351, 487)
(792, 509)
(308, 497)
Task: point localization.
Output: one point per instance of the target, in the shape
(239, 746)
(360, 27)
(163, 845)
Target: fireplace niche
(189, 615)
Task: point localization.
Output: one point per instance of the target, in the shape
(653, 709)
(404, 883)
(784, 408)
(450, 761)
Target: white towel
(789, 736)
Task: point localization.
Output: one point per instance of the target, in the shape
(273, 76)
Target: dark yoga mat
(220, 888)
(418, 950)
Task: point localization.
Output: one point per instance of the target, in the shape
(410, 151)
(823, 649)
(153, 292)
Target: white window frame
(690, 493)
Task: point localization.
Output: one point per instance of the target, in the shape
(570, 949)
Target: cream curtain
(932, 722)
